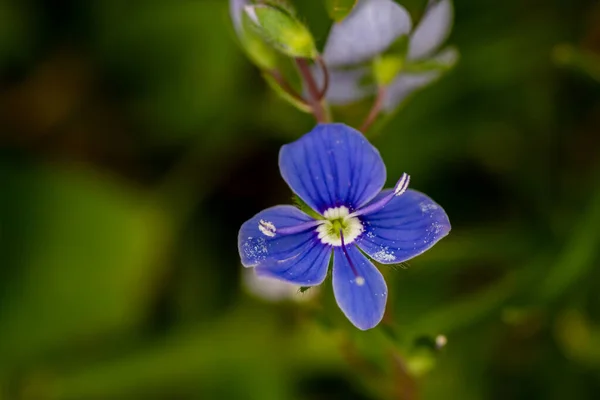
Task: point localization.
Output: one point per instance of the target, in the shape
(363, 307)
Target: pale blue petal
(345, 85)
(371, 27)
(307, 268)
(406, 84)
(332, 166)
(256, 248)
(433, 29)
(406, 227)
(236, 8)
(362, 302)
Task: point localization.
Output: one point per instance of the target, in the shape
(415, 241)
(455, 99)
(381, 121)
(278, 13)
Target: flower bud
(281, 30)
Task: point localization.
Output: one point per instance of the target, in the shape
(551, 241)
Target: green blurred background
(135, 138)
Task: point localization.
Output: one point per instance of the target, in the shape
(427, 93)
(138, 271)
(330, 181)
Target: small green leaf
(386, 68)
(339, 9)
(281, 30)
(305, 207)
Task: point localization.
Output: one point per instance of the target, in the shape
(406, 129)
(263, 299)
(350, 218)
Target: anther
(267, 228)
(399, 189)
(402, 184)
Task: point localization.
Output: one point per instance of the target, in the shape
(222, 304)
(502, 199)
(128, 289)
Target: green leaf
(339, 9)
(306, 208)
(281, 30)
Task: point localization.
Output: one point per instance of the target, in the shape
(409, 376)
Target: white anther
(402, 184)
(336, 212)
(267, 228)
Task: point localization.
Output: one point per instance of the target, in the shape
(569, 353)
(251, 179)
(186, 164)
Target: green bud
(281, 30)
(261, 54)
(285, 5)
(386, 68)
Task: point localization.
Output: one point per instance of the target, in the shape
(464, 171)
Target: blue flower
(339, 174)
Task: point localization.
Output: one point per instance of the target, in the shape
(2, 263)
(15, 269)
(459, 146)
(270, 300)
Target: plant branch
(325, 87)
(317, 107)
(287, 88)
(375, 110)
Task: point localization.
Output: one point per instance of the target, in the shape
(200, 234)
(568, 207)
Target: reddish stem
(323, 66)
(375, 110)
(313, 91)
(285, 86)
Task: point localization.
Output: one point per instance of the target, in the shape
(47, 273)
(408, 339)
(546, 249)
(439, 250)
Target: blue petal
(363, 304)
(371, 27)
(306, 268)
(256, 248)
(331, 166)
(432, 30)
(406, 227)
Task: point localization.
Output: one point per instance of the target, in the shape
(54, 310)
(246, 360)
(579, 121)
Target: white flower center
(338, 219)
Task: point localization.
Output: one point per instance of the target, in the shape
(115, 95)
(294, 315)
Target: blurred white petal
(407, 83)
(447, 57)
(236, 7)
(371, 27)
(404, 85)
(432, 30)
(272, 289)
(345, 86)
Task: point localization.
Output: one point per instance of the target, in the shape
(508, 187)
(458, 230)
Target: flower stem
(325, 87)
(314, 94)
(286, 87)
(375, 110)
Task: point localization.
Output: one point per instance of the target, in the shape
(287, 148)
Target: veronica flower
(370, 29)
(339, 175)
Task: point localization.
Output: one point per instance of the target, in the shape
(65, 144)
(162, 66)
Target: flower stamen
(338, 219)
(270, 230)
(267, 228)
(399, 189)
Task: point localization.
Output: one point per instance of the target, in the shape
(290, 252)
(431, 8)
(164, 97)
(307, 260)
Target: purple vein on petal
(352, 266)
